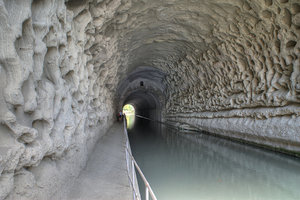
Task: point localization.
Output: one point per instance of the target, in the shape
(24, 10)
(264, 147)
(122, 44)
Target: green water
(189, 166)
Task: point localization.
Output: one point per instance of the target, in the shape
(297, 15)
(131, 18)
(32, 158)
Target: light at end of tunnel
(129, 112)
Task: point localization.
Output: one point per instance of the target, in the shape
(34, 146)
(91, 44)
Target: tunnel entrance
(129, 112)
(146, 105)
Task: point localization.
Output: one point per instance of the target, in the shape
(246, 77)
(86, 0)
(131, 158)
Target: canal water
(190, 166)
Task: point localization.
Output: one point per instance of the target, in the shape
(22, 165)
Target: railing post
(132, 168)
(146, 192)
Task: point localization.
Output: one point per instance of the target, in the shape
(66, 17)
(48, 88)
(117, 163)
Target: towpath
(105, 176)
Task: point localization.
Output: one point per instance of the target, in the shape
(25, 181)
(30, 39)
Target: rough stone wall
(253, 63)
(54, 104)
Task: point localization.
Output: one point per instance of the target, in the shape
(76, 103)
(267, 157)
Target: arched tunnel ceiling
(150, 76)
(227, 54)
(142, 100)
(149, 95)
(157, 33)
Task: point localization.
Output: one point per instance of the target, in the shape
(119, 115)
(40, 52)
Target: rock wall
(246, 84)
(54, 104)
(254, 61)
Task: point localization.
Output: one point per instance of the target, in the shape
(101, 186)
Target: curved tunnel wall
(231, 67)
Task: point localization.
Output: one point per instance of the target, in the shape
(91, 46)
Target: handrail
(140, 116)
(132, 175)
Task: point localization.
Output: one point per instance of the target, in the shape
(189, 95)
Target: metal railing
(131, 166)
(140, 116)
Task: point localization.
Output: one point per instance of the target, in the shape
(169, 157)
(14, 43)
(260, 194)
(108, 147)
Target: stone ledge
(279, 133)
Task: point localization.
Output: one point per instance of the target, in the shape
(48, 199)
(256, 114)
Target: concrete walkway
(105, 176)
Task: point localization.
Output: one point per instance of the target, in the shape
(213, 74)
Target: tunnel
(145, 104)
(230, 68)
(144, 90)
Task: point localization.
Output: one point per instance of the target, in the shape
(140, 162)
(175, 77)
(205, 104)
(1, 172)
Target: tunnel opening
(147, 108)
(129, 112)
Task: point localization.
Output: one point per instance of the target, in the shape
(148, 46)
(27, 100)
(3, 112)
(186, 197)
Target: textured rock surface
(227, 66)
(53, 105)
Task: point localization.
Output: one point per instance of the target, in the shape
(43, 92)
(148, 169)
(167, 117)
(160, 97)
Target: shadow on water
(180, 165)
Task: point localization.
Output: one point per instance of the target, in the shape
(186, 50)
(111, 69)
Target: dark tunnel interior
(144, 89)
(146, 105)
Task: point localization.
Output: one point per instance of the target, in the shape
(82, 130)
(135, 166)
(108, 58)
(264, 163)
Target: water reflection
(130, 121)
(197, 166)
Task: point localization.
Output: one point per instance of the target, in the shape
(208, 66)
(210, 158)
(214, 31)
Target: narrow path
(105, 176)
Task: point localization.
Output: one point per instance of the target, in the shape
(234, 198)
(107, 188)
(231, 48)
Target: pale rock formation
(229, 67)
(51, 104)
